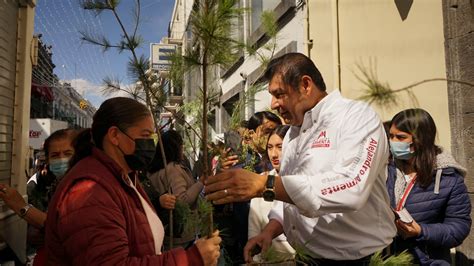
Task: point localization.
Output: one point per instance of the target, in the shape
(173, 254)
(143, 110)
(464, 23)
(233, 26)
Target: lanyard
(403, 199)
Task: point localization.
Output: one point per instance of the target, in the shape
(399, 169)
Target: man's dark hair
(292, 67)
(256, 119)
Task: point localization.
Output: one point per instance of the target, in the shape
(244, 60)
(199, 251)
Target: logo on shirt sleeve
(322, 141)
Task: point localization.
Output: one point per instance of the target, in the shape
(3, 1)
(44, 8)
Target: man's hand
(234, 185)
(262, 241)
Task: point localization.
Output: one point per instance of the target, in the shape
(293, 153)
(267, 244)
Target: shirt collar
(313, 115)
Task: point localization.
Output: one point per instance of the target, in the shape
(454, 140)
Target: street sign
(161, 55)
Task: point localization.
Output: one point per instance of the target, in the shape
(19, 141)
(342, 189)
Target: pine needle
(403, 258)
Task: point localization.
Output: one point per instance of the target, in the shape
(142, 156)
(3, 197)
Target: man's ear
(112, 135)
(306, 84)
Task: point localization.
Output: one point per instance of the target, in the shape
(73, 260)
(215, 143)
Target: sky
(85, 65)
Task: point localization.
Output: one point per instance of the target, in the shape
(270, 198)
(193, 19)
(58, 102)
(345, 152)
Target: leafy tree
(381, 93)
(147, 83)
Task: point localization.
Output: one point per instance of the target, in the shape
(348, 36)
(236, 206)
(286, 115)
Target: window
(257, 7)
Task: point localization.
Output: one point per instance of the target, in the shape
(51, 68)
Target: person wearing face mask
(259, 208)
(427, 191)
(100, 214)
(58, 151)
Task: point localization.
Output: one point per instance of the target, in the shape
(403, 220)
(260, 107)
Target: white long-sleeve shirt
(333, 168)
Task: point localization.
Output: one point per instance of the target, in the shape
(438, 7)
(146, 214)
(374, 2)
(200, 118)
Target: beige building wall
(401, 43)
(12, 227)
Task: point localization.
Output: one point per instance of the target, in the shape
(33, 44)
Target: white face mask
(401, 150)
(59, 166)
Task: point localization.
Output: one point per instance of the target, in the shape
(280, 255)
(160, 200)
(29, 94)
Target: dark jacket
(442, 210)
(96, 218)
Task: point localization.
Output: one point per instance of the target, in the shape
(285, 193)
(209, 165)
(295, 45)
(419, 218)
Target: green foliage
(177, 70)
(112, 85)
(242, 103)
(375, 91)
(137, 66)
(403, 258)
(211, 24)
(182, 212)
(129, 40)
(249, 163)
(197, 221)
(100, 5)
(301, 253)
(382, 95)
(266, 53)
(271, 255)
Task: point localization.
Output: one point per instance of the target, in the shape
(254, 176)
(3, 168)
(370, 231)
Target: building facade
(401, 43)
(231, 83)
(53, 99)
(17, 50)
(68, 105)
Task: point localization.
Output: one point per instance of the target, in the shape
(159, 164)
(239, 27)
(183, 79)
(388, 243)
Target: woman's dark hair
(172, 142)
(257, 119)
(120, 112)
(421, 126)
(61, 134)
(280, 131)
(292, 67)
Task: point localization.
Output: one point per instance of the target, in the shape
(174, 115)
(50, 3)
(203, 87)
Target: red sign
(35, 134)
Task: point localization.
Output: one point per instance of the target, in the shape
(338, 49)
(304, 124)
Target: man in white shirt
(333, 171)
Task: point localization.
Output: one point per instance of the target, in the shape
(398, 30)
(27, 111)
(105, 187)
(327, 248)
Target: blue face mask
(401, 150)
(59, 166)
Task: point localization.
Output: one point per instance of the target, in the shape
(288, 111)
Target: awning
(42, 91)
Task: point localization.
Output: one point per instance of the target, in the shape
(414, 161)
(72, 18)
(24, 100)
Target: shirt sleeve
(276, 213)
(254, 223)
(360, 157)
(178, 180)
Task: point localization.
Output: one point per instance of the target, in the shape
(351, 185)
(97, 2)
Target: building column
(459, 39)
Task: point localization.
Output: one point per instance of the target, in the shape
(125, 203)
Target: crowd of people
(322, 177)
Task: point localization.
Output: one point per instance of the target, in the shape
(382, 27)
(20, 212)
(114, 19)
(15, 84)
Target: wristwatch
(269, 192)
(24, 210)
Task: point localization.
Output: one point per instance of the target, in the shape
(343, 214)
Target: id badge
(404, 216)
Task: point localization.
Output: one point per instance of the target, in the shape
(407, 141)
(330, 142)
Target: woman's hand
(12, 198)
(168, 201)
(209, 248)
(408, 230)
(227, 161)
